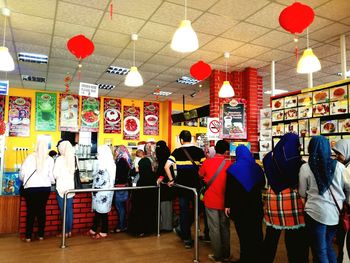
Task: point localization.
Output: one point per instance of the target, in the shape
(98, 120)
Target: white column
(273, 81)
(343, 56)
(310, 82)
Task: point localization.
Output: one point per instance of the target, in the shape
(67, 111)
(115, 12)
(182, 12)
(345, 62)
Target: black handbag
(77, 182)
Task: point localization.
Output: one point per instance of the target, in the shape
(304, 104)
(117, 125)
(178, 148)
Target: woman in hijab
(36, 175)
(284, 209)
(243, 203)
(102, 201)
(166, 205)
(342, 153)
(143, 218)
(320, 180)
(64, 174)
(150, 152)
(123, 165)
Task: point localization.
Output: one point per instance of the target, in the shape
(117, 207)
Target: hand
(227, 212)
(171, 183)
(159, 180)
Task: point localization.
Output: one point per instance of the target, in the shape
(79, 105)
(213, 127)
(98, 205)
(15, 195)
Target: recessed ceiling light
(32, 57)
(277, 91)
(33, 78)
(187, 80)
(347, 74)
(162, 93)
(105, 86)
(117, 70)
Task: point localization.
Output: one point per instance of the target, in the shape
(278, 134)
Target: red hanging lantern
(2, 127)
(80, 46)
(200, 70)
(296, 17)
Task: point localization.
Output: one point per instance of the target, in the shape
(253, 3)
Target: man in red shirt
(214, 198)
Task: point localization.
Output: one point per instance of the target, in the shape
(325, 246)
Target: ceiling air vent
(32, 57)
(162, 93)
(33, 78)
(117, 70)
(105, 86)
(187, 80)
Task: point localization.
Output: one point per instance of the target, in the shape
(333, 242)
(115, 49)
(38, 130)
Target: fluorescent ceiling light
(277, 91)
(117, 70)
(105, 86)
(187, 80)
(32, 57)
(33, 78)
(162, 93)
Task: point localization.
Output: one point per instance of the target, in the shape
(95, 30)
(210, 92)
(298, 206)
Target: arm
(346, 187)
(228, 194)
(302, 181)
(167, 166)
(51, 163)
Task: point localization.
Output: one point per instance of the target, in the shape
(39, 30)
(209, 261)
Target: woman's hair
(67, 152)
(140, 153)
(41, 154)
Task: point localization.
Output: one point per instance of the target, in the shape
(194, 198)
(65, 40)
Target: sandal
(90, 233)
(99, 236)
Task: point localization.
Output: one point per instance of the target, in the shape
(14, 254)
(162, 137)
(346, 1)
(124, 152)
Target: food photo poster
(19, 116)
(45, 111)
(151, 118)
(90, 114)
(131, 125)
(112, 115)
(69, 112)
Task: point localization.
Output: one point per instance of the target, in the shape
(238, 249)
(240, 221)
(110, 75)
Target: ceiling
(248, 29)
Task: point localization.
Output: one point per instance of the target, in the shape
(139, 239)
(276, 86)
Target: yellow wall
(29, 142)
(177, 129)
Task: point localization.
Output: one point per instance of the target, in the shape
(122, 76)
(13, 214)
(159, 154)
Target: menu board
(2, 107)
(278, 104)
(305, 99)
(45, 111)
(19, 116)
(69, 112)
(150, 118)
(112, 115)
(90, 114)
(290, 101)
(131, 128)
(233, 117)
(338, 93)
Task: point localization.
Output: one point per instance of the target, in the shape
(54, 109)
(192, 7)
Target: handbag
(77, 182)
(22, 191)
(343, 214)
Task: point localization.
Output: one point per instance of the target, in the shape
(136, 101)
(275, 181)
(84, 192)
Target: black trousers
(36, 208)
(103, 218)
(296, 242)
(340, 242)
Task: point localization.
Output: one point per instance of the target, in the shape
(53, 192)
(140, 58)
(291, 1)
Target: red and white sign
(213, 128)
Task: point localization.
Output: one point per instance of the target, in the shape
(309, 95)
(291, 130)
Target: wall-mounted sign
(19, 116)
(213, 128)
(233, 119)
(234, 145)
(4, 87)
(87, 89)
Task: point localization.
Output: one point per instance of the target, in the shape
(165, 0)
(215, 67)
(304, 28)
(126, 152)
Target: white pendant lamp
(226, 90)
(308, 63)
(185, 39)
(134, 78)
(6, 60)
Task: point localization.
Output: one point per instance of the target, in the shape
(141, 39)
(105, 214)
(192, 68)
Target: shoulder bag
(343, 214)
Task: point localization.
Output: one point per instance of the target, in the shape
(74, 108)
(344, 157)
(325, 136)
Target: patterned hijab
(247, 172)
(282, 165)
(122, 152)
(321, 163)
(343, 147)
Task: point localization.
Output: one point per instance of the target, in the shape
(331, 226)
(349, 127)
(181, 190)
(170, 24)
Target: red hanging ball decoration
(80, 46)
(296, 17)
(200, 70)
(2, 127)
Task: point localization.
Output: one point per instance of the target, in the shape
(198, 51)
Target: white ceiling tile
(232, 60)
(273, 39)
(245, 32)
(60, 42)
(311, 3)
(94, 67)
(253, 63)
(31, 23)
(167, 51)
(326, 51)
(111, 38)
(105, 50)
(167, 78)
(250, 51)
(34, 85)
(77, 14)
(147, 45)
(171, 14)
(164, 60)
(268, 16)
(140, 9)
(67, 30)
(61, 53)
(332, 30)
(157, 32)
(275, 55)
(204, 39)
(208, 23)
(98, 4)
(220, 44)
(346, 21)
(335, 9)
(206, 56)
(102, 60)
(32, 37)
(46, 10)
(238, 9)
(60, 62)
(25, 47)
(121, 24)
(61, 70)
(153, 67)
(197, 4)
(319, 22)
(140, 56)
(32, 68)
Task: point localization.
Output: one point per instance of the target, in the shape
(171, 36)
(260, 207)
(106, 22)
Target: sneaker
(213, 258)
(178, 232)
(204, 239)
(188, 244)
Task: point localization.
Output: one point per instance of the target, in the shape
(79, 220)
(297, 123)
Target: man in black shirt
(187, 175)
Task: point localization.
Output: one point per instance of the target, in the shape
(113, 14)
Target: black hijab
(147, 176)
(162, 154)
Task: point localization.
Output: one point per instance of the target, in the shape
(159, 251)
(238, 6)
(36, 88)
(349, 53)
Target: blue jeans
(120, 205)
(69, 215)
(186, 217)
(321, 238)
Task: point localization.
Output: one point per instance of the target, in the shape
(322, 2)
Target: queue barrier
(196, 247)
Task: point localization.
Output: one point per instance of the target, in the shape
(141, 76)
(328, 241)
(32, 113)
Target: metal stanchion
(63, 240)
(158, 228)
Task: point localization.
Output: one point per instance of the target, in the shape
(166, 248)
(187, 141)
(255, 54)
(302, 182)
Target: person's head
(149, 148)
(41, 154)
(162, 150)
(140, 153)
(342, 151)
(67, 152)
(52, 153)
(222, 146)
(185, 136)
(58, 144)
(104, 156)
(242, 152)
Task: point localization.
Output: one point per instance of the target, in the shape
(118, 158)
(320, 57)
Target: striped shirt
(284, 210)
